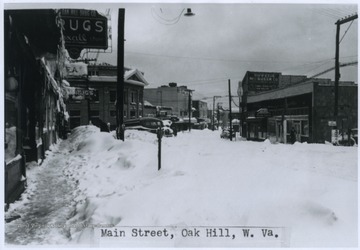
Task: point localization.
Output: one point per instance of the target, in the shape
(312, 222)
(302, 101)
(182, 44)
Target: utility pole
(213, 112)
(230, 114)
(120, 77)
(190, 107)
(337, 64)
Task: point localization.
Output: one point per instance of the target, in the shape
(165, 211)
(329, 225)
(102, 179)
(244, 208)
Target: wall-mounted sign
(332, 123)
(82, 93)
(83, 29)
(262, 81)
(78, 69)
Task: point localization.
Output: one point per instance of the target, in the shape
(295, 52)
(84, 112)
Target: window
(112, 95)
(305, 128)
(126, 98)
(95, 97)
(94, 113)
(74, 118)
(113, 113)
(74, 112)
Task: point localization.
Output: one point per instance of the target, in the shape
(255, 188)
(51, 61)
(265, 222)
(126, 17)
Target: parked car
(226, 133)
(354, 132)
(145, 123)
(344, 139)
(149, 124)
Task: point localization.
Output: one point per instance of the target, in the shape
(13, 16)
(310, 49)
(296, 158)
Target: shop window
(305, 128)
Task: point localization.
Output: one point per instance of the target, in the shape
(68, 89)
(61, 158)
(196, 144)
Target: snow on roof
(146, 103)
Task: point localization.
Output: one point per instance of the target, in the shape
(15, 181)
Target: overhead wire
(164, 20)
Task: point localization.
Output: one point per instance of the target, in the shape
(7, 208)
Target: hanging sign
(83, 29)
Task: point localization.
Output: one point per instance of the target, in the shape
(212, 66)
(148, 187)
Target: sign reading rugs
(83, 29)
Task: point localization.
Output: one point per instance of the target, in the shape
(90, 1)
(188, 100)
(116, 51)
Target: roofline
(293, 90)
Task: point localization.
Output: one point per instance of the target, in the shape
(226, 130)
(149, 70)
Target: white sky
(224, 40)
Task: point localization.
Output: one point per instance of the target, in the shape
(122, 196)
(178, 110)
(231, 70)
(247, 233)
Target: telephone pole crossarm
(346, 19)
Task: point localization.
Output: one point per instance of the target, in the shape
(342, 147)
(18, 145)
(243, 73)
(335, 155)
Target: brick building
(200, 109)
(170, 96)
(272, 104)
(99, 105)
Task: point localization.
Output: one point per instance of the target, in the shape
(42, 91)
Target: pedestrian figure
(292, 135)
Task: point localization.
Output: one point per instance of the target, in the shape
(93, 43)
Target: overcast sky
(224, 40)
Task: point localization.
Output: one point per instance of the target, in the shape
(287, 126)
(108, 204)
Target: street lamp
(213, 125)
(172, 21)
(188, 12)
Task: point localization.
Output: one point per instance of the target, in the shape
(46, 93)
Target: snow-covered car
(166, 128)
(226, 133)
(167, 131)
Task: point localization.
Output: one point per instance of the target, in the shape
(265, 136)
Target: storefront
(33, 65)
(305, 107)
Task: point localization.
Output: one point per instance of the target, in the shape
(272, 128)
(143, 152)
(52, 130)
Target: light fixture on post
(11, 83)
(171, 21)
(189, 12)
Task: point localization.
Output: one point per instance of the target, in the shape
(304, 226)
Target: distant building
(101, 83)
(170, 96)
(273, 104)
(200, 109)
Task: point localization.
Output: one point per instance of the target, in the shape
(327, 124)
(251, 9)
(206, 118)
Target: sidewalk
(46, 204)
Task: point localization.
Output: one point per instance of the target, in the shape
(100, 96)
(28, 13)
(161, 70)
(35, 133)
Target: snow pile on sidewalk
(309, 188)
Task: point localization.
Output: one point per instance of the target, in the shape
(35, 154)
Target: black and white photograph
(180, 124)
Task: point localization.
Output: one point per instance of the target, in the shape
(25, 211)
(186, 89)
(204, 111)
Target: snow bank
(309, 189)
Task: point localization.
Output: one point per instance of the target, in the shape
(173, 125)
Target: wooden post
(120, 77)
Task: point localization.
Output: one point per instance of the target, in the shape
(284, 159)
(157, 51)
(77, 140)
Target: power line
(209, 58)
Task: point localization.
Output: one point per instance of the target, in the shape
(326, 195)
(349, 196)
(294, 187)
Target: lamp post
(213, 122)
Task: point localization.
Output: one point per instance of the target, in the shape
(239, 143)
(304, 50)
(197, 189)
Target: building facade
(34, 108)
(170, 96)
(200, 109)
(273, 104)
(93, 95)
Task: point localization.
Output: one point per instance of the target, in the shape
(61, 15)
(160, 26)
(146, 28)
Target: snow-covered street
(93, 180)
